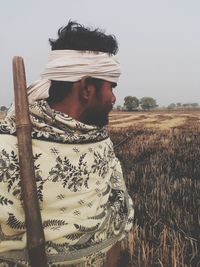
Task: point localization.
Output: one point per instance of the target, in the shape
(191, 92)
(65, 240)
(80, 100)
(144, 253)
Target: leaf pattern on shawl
(10, 174)
(106, 191)
(73, 177)
(5, 201)
(100, 164)
(54, 224)
(101, 161)
(98, 216)
(14, 223)
(9, 168)
(119, 208)
(74, 236)
(85, 229)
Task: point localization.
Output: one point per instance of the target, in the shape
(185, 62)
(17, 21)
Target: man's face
(98, 111)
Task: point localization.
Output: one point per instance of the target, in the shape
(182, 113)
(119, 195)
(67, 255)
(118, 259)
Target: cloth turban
(71, 66)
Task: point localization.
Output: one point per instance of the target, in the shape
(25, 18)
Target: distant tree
(178, 105)
(172, 106)
(195, 105)
(190, 105)
(3, 108)
(119, 107)
(131, 103)
(148, 103)
(186, 105)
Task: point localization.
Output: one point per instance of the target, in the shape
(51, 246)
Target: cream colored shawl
(84, 202)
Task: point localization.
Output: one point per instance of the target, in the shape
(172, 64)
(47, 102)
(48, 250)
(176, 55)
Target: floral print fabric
(83, 199)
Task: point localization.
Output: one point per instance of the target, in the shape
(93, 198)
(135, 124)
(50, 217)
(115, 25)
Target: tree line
(184, 105)
(132, 103)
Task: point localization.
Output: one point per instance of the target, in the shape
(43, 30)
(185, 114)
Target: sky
(159, 43)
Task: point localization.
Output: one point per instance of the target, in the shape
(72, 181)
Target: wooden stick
(35, 234)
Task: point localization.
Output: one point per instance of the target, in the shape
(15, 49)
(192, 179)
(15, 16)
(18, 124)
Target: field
(160, 156)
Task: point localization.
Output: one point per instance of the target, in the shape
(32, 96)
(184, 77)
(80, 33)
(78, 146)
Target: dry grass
(161, 121)
(161, 160)
(161, 168)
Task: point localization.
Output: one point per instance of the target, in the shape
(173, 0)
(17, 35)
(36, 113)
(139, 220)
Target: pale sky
(159, 42)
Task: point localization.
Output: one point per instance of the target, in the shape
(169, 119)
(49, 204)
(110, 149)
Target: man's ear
(87, 88)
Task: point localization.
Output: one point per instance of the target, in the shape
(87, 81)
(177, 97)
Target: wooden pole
(35, 234)
(113, 256)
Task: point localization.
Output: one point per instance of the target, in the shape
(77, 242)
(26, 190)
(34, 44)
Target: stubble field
(160, 156)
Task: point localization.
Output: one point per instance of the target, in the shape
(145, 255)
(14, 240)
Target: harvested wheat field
(164, 120)
(160, 155)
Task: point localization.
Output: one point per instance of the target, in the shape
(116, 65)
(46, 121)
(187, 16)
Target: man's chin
(97, 121)
(98, 118)
(102, 124)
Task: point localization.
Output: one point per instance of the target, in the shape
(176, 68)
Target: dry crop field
(160, 156)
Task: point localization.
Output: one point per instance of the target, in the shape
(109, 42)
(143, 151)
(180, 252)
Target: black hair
(58, 91)
(75, 36)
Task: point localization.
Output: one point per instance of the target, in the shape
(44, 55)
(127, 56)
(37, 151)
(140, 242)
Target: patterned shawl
(84, 202)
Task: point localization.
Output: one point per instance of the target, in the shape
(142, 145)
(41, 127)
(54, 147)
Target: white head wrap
(71, 66)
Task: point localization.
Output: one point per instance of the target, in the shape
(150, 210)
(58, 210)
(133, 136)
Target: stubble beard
(96, 117)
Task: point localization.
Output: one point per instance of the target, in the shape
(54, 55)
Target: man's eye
(114, 85)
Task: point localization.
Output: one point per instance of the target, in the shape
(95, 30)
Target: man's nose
(113, 99)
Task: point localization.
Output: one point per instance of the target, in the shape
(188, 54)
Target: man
(84, 202)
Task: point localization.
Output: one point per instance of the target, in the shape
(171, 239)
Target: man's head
(89, 99)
